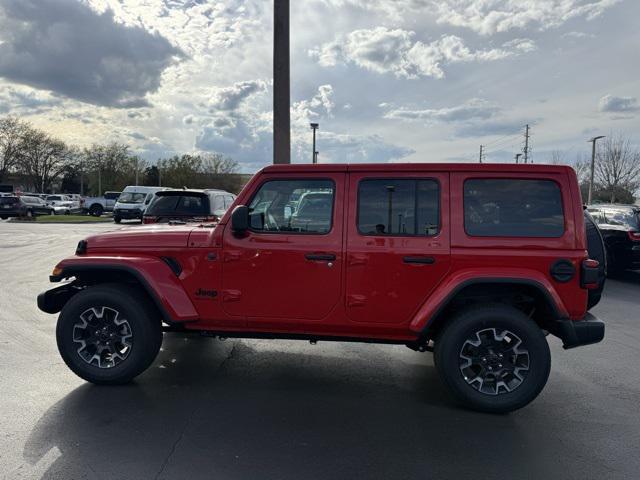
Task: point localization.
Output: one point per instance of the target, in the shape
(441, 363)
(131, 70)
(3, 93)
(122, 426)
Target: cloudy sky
(388, 81)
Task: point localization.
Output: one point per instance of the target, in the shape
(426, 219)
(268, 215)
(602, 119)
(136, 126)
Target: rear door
(397, 244)
(287, 268)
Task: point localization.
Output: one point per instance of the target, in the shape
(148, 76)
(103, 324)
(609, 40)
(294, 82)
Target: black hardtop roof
(418, 167)
(190, 191)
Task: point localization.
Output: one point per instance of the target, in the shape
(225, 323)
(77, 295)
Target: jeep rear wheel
(493, 358)
(106, 335)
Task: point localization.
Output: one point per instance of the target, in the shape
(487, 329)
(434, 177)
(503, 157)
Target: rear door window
(513, 208)
(400, 207)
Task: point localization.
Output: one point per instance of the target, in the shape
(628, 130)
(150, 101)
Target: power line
(499, 140)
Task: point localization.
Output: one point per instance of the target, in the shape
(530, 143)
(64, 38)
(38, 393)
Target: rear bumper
(12, 213)
(573, 334)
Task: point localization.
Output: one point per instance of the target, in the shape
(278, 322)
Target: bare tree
(581, 165)
(216, 163)
(557, 157)
(617, 166)
(108, 165)
(42, 158)
(11, 132)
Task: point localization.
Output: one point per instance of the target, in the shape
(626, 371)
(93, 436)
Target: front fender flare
(155, 276)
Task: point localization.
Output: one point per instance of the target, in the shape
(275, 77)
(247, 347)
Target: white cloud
(318, 106)
(473, 109)
(349, 148)
(383, 50)
(613, 104)
(230, 98)
(488, 17)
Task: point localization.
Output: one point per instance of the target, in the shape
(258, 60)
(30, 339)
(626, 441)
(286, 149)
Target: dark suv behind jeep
(620, 228)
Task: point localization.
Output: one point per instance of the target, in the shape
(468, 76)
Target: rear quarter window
(513, 208)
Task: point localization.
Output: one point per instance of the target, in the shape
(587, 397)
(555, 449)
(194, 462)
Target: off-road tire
(463, 326)
(145, 328)
(597, 251)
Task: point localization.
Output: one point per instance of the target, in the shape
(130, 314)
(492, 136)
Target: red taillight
(634, 236)
(590, 274)
(146, 219)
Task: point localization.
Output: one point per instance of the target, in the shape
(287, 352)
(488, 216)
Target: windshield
(8, 200)
(128, 197)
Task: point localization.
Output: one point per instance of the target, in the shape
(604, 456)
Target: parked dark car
(620, 228)
(23, 207)
(188, 206)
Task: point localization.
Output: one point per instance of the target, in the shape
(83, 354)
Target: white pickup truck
(96, 206)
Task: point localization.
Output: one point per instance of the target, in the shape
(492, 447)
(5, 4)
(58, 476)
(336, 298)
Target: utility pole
(593, 166)
(314, 153)
(481, 148)
(526, 143)
(517, 157)
(281, 83)
(81, 178)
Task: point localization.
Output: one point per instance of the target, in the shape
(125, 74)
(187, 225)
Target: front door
(397, 244)
(288, 268)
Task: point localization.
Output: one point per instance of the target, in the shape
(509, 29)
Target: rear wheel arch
(528, 296)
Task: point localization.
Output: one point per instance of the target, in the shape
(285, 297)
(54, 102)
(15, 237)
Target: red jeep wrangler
(474, 262)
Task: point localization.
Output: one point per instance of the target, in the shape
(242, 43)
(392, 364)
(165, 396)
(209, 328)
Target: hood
(176, 236)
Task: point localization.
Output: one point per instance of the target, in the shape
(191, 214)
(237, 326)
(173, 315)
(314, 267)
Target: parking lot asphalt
(290, 410)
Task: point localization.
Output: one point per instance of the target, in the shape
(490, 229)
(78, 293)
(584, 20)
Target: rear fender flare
(447, 291)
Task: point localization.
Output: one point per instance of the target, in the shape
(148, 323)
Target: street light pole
(314, 153)
(281, 83)
(518, 155)
(593, 166)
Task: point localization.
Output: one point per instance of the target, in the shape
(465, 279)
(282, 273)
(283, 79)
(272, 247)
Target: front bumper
(573, 334)
(53, 300)
(128, 214)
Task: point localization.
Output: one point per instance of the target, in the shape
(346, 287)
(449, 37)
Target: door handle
(420, 260)
(320, 257)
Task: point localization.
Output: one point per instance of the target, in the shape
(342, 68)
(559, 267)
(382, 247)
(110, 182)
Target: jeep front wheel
(493, 358)
(106, 335)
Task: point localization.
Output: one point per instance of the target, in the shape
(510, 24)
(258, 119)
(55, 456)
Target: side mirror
(240, 220)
